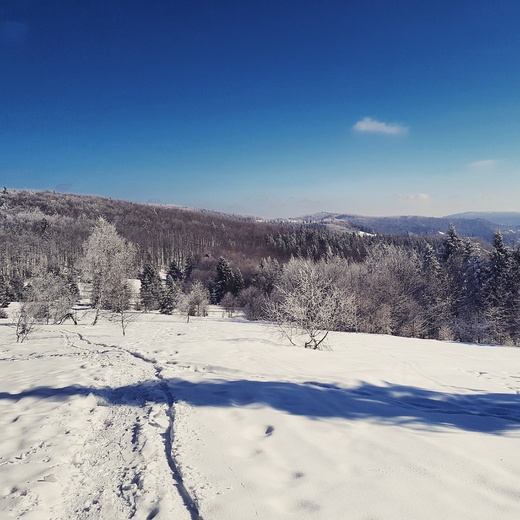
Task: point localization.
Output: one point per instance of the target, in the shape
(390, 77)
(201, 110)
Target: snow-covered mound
(219, 419)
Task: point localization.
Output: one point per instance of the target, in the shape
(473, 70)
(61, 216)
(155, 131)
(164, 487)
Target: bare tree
(25, 322)
(229, 304)
(310, 301)
(253, 302)
(195, 302)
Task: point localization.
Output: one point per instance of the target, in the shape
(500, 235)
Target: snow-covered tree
(195, 302)
(500, 291)
(49, 297)
(108, 262)
(170, 296)
(463, 280)
(309, 301)
(223, 282)
(267, 275)
(452, 243)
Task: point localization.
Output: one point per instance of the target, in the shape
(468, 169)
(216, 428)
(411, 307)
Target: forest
(307, 278)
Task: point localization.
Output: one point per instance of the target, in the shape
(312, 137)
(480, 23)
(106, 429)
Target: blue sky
(273, 108)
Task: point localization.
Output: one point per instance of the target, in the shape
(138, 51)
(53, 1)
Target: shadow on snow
(390, 404)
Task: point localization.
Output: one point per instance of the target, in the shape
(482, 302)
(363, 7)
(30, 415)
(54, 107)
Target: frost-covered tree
(463, 280)
(49, 297)
(389, 291)
(25, 323)
(108, 262)
(309, 301)
(195, 302)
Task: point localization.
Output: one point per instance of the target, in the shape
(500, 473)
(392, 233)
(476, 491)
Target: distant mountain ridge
(502, 218)
(473, 225)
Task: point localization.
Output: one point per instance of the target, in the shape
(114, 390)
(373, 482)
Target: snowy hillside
(219, 419)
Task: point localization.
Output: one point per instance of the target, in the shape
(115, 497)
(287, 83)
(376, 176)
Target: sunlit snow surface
(220, 419)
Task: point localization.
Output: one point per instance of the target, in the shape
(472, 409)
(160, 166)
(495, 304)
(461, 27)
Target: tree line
(308, 279)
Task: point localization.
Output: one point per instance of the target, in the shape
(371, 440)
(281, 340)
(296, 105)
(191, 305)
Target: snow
(220, 419)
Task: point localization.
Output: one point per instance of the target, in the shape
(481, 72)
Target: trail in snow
(167, 435)
(114, 461)
(217, 419)
(189, 502)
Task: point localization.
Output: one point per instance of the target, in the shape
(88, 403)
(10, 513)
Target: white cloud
(414, 196)
(373, 126)
(487, 164)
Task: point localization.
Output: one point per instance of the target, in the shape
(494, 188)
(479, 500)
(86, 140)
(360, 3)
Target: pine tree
(170, 297)
(452, 243)
(224, 280)
(514, 315)
(499, 293)
(462, 263)
(436, 311)
(151, 288)
(175, 272)
(238, 282)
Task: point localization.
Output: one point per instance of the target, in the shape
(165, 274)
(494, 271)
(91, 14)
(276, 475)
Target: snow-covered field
(221, 420)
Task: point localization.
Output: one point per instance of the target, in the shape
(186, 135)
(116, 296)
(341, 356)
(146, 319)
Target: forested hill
(49, 227)
(46, 226)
